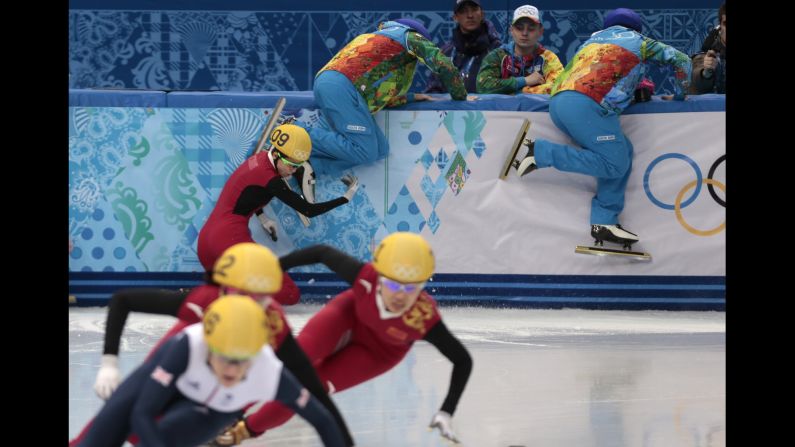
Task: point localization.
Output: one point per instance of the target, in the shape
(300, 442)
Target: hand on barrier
(268, 225)
(352, 183)
(233, 435)
(680, 97)
(424, 97)
(444, 422)
(108, 377)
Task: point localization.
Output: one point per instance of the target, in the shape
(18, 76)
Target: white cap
(531, 12)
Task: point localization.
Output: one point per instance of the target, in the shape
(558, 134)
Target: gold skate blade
(601, 251)
(506, 167)
(264, 138)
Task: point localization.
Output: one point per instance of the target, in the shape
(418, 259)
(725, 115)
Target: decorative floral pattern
(262, 50)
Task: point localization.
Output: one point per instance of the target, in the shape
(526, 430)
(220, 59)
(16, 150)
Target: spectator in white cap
(523, 64)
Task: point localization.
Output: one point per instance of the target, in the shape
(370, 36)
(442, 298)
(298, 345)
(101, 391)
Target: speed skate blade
(506, 167)
(601, 251)
(264, 138)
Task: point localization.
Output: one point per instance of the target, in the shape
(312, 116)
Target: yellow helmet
(250, 267)
(292, 141)
(404, 257)
(235, 327)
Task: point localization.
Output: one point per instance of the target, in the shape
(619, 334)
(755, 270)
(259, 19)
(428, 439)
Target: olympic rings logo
(678, 203)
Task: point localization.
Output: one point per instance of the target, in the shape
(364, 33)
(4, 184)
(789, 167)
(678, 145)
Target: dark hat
(624, 17)
(461, 3)
(416, 26)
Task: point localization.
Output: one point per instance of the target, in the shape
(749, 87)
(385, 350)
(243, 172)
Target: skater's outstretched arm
(152, 301)
(300, 400)
(278, 188)
(341, 263)
(451, 347)
(155, 301)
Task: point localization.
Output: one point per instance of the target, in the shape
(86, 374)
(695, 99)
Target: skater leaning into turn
(201, 380)
(252, 186)
(368, 329)
(597, 85)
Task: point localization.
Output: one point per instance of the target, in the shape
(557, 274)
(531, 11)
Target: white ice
(568, 378)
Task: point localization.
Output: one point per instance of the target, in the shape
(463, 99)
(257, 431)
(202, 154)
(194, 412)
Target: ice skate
(517, 144)
(617, 235)
(613, 233)
(305, 176)
(285, 119)
(528, 163)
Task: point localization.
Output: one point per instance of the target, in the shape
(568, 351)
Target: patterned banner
(282, 51)
(143, 181)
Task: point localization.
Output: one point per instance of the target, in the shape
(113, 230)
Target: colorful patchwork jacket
(381, 65)
(504, 72)
(611, 63)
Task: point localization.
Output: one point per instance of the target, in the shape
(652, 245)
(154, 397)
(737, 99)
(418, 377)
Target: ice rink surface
(568, 378)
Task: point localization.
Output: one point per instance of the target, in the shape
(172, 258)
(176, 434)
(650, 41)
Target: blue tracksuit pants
(606, 152)
(347, 134)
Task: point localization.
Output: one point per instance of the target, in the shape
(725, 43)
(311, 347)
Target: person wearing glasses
(244, 269)
(203, 378)
(252, 186)
(366, 330)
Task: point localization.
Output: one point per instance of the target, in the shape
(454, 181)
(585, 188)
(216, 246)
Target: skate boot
(285, 119)
(613, 233)
(528, 164)
(305, 176)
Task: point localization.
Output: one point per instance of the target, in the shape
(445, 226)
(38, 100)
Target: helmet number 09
(280, 137)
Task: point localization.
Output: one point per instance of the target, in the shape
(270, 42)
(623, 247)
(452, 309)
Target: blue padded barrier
(296, 100)
(116, 98)
(306, 100)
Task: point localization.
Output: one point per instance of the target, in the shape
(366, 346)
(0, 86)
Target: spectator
(709, 66)
(522, 64)
(472, 39)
